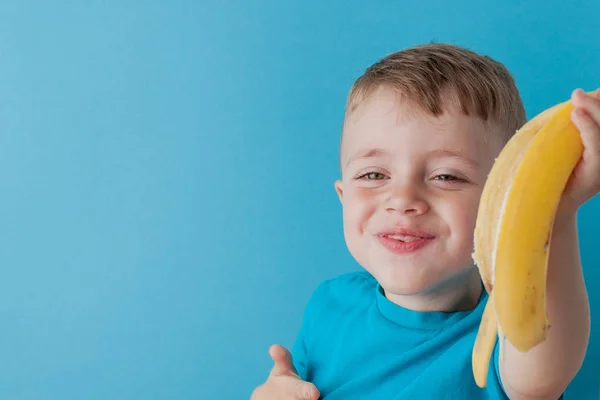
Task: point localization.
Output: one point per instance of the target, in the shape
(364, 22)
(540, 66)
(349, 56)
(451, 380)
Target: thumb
(282, 360)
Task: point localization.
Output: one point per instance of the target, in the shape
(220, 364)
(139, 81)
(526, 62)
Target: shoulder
(338, 288)
(350, 281)
(346, 290)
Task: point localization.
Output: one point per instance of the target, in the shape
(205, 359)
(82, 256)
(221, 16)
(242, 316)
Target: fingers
(284, 376)
(586, 117)
(286, 387)
(307, 391)
(282, 360)
(588, 103)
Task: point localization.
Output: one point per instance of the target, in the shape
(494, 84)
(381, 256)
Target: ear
(339, 189)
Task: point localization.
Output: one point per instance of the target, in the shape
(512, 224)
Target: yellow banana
(513, 229)
(484, 343)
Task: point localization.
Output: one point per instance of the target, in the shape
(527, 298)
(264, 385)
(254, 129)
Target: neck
(459, 294)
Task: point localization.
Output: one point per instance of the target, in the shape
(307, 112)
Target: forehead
(384, 120)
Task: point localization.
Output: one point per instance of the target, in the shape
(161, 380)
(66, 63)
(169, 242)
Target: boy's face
(410, 190)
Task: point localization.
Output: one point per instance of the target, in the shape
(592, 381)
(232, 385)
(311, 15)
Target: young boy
(422, 129)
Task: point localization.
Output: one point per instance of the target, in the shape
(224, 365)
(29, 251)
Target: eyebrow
(461, 157)
(440, 153)
(372, 153)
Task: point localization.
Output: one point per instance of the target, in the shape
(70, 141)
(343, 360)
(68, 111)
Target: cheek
(461, 217)
(359, 207)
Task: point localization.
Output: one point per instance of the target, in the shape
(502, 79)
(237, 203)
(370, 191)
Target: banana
(484, 343)
(513, 229)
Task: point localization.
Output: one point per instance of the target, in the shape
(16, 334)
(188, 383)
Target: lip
(420, 240)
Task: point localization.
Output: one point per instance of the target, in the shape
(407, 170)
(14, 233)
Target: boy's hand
(283, 382)
(584, 182)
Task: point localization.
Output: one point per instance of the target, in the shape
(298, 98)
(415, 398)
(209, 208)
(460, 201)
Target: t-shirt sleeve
(300, 349)
(299, 354)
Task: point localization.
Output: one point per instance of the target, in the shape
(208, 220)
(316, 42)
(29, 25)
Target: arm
(545, 371)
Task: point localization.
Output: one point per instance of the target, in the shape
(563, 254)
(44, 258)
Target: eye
(447, 177)
(372, 176)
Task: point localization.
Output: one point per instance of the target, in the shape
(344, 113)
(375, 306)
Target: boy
(422, 129)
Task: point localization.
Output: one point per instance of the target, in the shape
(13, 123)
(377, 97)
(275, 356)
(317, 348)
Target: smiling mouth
(404, 242)
(404, 238)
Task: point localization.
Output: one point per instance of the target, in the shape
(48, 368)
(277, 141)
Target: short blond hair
(428, 75)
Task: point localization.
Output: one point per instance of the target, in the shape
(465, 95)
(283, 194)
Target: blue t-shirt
(356, 344)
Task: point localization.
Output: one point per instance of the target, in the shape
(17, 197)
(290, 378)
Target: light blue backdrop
(167, 169)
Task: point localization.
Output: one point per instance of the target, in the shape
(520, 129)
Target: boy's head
(421, 132)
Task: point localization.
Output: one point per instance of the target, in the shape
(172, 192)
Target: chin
(407, 287)
(405, 281)
(418, 278)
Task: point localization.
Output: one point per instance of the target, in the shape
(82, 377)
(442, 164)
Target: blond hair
(429, 75)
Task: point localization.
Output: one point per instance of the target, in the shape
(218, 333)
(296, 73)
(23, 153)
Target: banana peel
(513, 230)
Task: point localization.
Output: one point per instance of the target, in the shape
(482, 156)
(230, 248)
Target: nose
(405, 198)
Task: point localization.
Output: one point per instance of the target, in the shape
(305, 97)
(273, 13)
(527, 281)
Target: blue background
(167, 168)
